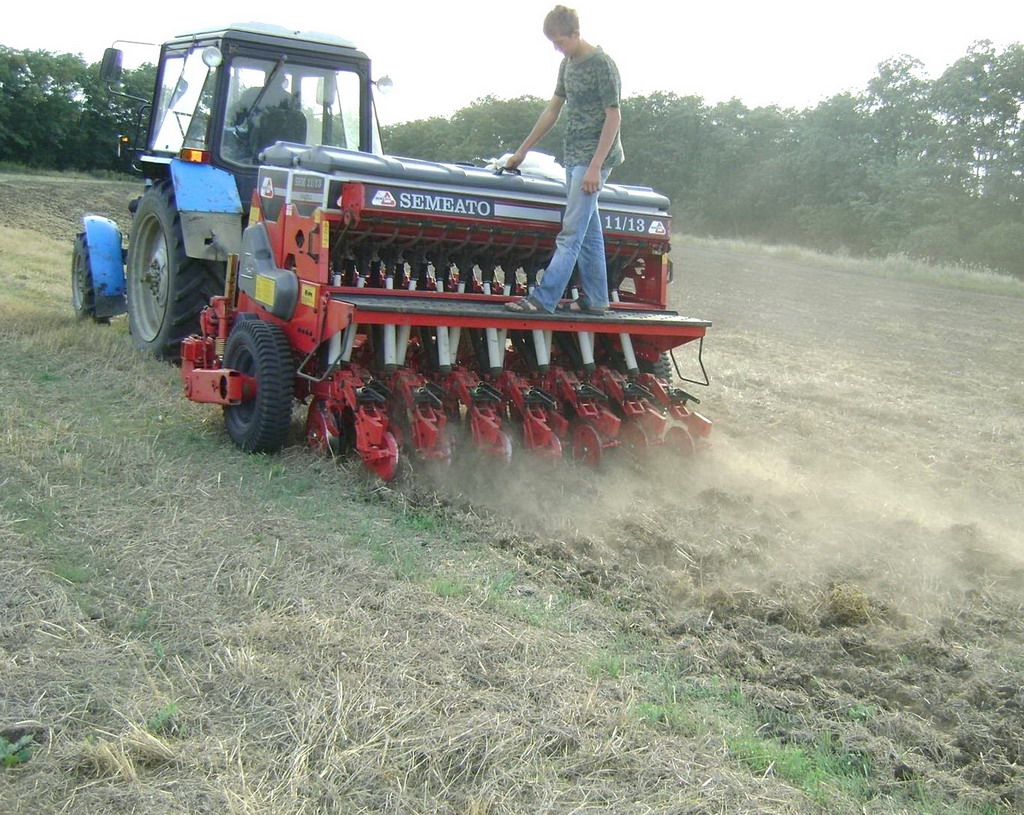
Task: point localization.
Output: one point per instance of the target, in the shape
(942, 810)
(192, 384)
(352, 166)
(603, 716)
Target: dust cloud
(741, 517)
(854, 444)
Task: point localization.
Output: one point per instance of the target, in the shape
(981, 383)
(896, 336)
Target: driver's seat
(278, 124)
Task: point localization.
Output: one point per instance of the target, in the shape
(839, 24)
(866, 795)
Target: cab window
(270, 101)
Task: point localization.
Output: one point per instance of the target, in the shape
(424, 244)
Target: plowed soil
(850, 548)
(857, 539)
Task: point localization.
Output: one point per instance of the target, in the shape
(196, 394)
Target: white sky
(443, 54)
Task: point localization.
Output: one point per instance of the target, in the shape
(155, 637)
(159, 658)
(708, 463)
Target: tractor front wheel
(260, 351)
(166, 289)
(83, 292)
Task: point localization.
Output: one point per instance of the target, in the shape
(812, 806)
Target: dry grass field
(821, 614)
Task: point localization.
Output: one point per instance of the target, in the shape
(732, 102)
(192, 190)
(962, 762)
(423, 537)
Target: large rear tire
(166, 289)
(260, 350)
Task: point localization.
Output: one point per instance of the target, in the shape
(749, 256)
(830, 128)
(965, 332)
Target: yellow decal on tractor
(265, 290)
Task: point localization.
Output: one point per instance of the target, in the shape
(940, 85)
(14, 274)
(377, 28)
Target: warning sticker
(384, 198)
(308, 296)
(266, 289)
(267, 187)
(657, 228)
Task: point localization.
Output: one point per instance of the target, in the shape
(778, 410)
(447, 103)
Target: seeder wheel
(587, 447)
(549, 450)
(383, 460)
(502, 448)
(439, 458)
(260, 351)
(634, 440)
(678, 438)
(321, 433)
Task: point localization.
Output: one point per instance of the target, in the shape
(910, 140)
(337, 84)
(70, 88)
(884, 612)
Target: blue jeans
(581, 239)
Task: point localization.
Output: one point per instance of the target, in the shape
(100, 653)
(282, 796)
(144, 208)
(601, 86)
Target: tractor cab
(223, 96)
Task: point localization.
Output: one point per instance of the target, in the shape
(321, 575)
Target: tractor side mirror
(110, 67)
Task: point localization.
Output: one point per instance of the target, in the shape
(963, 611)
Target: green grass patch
(500, 585)
(694, 705)
(419, 521)
(609, 664)
(141, 621)
(821, 770)
(163, 720)
(861, 712)
(449, 587)
(73, 573)
(405, 562)
(539, 610)
(15, 752)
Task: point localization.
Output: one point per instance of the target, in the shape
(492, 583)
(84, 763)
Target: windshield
(270, 101)
(184, 102)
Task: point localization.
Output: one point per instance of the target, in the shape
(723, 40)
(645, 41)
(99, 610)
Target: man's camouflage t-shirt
(589, 86)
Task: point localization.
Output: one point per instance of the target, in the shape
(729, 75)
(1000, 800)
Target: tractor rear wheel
(83, 292)
(260, 350)
(166, 289)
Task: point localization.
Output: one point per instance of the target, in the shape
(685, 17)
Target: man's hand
(514, 160)
(592, 180)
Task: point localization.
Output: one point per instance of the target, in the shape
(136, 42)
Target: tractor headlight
(212, 57)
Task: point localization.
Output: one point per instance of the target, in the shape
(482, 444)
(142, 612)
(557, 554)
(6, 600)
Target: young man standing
(588, 86)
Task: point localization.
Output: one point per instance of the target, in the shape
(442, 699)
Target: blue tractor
(221, 97)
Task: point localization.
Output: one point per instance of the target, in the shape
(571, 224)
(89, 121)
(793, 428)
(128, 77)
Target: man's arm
(592, 178)
(545, 122)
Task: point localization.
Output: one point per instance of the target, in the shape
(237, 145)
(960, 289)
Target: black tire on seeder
(260, 350)
(661, 368)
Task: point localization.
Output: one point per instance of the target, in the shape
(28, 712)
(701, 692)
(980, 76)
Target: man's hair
(561, 22)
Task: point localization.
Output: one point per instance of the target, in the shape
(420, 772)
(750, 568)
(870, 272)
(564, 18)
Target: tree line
(927, 167)
(56, 113)
(933, 168)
